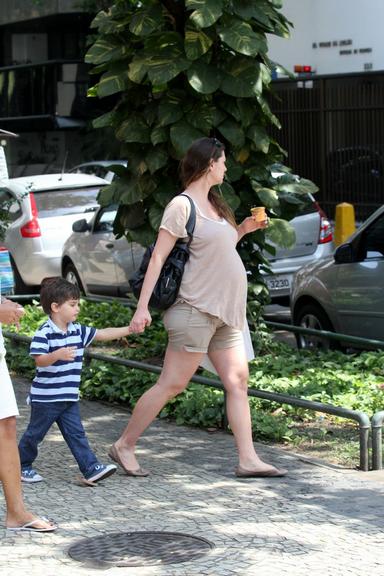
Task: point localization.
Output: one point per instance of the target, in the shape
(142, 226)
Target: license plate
(278, 282)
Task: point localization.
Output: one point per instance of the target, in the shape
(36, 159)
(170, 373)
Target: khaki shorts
(194, 331)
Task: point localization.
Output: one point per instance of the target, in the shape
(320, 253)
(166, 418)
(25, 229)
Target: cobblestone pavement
(319, 520)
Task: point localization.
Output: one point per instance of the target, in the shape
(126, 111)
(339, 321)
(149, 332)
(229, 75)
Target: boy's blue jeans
(67, 417)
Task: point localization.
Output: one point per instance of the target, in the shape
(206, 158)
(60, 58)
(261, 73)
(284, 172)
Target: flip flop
(31, 526)
(270, 473)
(114, 455)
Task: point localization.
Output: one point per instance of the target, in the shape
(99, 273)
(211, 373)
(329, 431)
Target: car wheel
(313, 317)
(20, 286)
(71, 274)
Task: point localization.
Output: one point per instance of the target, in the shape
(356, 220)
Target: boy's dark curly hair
(58, 290)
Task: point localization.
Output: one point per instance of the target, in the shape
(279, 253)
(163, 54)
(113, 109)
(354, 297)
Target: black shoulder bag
(168, 284)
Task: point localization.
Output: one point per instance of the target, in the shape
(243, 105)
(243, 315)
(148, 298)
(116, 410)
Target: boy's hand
(68, 353)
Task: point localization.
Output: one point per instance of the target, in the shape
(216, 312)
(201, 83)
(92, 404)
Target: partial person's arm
(249, 225)
(67, 354)
(164, 244)
(111, 333)
(10, 312)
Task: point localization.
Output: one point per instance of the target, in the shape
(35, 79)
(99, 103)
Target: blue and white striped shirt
(60, 381)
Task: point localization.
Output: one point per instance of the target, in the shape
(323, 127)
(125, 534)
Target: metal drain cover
(139, 549)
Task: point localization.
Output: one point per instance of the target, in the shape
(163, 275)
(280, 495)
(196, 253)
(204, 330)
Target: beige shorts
(195, 331)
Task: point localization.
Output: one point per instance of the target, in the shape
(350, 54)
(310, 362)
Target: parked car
(314, 241)
(42, 210)
(100, 264)
(100, 168)
(95, 260)
(344, 292)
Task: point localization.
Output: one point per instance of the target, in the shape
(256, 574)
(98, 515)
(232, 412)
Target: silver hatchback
(95, 260)
(42, 210)
(314, 241)
(344, 293)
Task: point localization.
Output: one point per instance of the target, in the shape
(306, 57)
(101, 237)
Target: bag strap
(190, 225)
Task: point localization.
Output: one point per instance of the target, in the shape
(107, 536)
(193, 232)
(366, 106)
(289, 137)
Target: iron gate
(333, 131)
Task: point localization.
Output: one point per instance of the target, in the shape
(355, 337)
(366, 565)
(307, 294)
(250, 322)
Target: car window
(373, 240)
(309, 205)
(100, 171)
(94, 169)
(105, 219)
(62, 202)
(9, 203)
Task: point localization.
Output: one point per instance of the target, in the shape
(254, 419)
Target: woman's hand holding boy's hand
(140, 320)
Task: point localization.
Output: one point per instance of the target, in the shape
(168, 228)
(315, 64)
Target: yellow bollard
(344, 222)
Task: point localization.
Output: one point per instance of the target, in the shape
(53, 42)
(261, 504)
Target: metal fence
(333, 131)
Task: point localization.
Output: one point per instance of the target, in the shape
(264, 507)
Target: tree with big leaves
(184, 69)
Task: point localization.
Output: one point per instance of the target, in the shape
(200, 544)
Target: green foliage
(352, 381)
(4, 218)
(19, 360)
(180, 70)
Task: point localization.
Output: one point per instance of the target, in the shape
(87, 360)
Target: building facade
(332, 36)
(43, 82)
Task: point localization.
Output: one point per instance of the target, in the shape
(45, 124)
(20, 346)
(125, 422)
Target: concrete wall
(333, 23)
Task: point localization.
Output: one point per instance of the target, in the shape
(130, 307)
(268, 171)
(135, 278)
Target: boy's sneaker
(30, 475)
(101, 471)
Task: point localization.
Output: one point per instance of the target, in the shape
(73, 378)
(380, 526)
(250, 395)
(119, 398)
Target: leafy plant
(4, 217)
(353, 381)
(179, 70)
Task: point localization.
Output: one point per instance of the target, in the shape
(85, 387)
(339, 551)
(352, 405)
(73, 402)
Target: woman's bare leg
(232, 367)
(17, 514)
(178, 369)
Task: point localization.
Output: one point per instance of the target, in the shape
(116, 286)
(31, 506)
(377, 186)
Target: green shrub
(352, 381)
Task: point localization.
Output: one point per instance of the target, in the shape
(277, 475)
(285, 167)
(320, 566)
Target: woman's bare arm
(164, 244)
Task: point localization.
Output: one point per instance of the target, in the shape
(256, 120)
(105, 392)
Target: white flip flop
(31, 526)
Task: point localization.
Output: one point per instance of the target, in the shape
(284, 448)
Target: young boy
(58, 348)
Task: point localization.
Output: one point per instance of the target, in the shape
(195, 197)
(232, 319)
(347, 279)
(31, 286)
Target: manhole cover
(139, 549)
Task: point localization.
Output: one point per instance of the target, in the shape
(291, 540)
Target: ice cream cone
(258, 213)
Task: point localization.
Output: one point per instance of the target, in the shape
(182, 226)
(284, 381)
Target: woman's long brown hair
(195, 164)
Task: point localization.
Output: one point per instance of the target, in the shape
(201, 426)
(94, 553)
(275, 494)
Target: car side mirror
(344, 254)
(81, 226)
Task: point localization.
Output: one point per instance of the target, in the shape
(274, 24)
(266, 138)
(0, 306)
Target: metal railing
(377, 440)
(360, 417)
(367, 342)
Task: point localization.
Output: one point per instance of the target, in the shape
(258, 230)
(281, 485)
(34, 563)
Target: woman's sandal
(33, 526)
(269, 473)
(114, 455)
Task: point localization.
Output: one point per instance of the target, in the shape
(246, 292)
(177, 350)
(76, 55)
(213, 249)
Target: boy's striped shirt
(60, 381)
